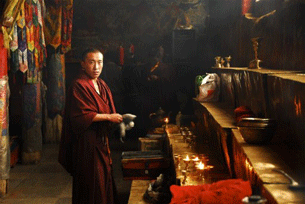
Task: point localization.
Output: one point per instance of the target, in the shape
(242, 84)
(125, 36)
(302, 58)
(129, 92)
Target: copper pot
(257, 130)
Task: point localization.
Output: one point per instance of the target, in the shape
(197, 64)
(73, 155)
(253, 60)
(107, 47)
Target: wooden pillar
(32, 123)
(55, 96)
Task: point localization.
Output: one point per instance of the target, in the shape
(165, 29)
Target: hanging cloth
(58, 31)
(4, 101)
(22, 42)
(4, 136)
(55, 82)
(53, 23)
(3, 57)
(10, 15)
(58, 24)
(67, 18)
(3, 82)
(28, 50)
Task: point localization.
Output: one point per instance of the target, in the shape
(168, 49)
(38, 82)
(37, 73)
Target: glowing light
(200, 166)
(249, 165)
(298, 106)
(262, 165)
(187, 158)
(196, 159)
(166, 120)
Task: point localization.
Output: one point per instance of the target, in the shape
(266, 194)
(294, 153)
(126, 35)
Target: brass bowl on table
(257, 130)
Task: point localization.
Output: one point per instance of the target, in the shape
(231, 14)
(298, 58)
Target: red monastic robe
(84, 149)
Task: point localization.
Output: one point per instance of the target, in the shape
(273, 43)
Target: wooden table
(138, 188)
(179, 147)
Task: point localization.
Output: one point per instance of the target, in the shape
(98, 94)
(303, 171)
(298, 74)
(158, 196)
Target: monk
(84, 148)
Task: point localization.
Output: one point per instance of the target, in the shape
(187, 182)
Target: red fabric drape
(3, 57)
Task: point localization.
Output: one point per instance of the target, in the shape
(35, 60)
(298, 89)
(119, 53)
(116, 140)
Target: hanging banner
(3, 57)
(10, 15)
(58, 24)
(55, 83)
(27, 46)
(4, 139)
(3, 86)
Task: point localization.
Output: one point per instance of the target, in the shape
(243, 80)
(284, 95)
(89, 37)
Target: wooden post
(32, 123)
(54, 97)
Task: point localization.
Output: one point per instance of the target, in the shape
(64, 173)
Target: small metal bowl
(256, 122)
(257, 130)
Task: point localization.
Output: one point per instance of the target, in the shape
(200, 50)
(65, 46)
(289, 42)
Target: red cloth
(242, 112)
(3, 57)
(230, 191)
(121, 55)
(84, 149)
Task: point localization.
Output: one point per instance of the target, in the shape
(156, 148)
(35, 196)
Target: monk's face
(93, 64)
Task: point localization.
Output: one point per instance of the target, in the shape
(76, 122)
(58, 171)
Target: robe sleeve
(83, 108)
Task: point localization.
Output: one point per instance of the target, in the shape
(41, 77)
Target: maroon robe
(84, 148)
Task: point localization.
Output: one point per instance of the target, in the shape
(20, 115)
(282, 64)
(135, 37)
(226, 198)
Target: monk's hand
(116, 118)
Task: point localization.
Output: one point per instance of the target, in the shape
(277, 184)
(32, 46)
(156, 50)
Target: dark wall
(221, 29)
(146, 24)
(283, 38)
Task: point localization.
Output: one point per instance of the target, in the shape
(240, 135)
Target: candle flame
(201, 166)
(166, 120)
(187, 158)
(196, 159)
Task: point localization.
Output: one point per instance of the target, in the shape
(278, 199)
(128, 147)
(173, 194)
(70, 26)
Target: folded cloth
(230, 191)
(243, 112)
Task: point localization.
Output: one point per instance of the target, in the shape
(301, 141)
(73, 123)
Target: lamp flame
(187, 158)
(200, 166)
(166, 120)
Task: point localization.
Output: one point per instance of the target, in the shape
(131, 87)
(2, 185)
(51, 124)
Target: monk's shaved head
(90, 50)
